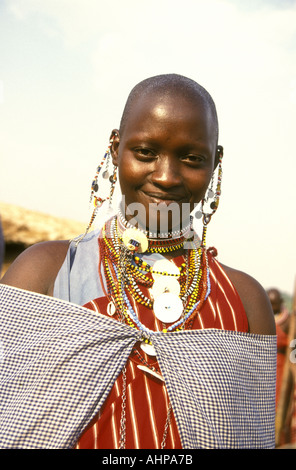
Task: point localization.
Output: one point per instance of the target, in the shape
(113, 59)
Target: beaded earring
(212, 197)
(98, 201)
(94, 197)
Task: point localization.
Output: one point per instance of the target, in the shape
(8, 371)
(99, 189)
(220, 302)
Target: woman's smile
(164, 198)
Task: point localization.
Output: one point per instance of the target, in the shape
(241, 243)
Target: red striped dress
(146, 396)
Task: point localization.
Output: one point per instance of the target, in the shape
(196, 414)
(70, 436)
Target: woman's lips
(158, 198)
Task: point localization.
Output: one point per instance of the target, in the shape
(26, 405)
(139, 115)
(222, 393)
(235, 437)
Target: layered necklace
(176, 293)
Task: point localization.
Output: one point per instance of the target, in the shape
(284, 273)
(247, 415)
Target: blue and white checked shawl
(59, 362)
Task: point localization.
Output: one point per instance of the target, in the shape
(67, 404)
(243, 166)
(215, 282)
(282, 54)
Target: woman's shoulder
(255, 301)
(36, 267)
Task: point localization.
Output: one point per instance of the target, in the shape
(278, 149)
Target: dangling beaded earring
(216, 195)
(97, 200)
(112, 179)
(211, 194)
(210, 189)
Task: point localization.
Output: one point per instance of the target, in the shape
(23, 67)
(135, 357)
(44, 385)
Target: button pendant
(168, 307)
(135, 240)
(165, 284)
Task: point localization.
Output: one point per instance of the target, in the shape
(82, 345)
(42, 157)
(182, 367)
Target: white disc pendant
(165, 284)
(148, 349)
(135, 240)
(162, 267)
(168, 308)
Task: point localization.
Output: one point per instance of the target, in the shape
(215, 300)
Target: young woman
(147, 267)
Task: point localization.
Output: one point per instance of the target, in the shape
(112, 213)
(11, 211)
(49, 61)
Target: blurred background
(66, 68)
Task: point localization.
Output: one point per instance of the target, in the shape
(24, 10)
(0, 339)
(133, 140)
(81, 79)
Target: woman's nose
(166, 172)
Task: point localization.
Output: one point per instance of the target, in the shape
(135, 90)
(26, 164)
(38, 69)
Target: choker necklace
(164, 242)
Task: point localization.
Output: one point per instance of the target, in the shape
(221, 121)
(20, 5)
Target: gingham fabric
(59, 361)
(227, 400)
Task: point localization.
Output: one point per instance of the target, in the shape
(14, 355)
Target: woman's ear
(114, 138)
(219, 155)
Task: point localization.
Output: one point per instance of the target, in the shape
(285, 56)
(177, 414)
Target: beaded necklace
(164, 242)
(125, 272)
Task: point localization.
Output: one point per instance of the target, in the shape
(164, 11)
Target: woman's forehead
(163, 101)
(159, 109)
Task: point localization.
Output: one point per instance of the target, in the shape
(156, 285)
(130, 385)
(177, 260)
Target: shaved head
(170, 85)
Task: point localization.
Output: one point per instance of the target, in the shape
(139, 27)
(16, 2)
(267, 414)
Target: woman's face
(165, 155)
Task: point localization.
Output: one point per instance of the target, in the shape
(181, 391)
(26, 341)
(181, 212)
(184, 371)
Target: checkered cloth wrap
(59, 361)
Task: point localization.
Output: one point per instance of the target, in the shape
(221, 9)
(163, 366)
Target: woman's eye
(145, 152)
(193, 158)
